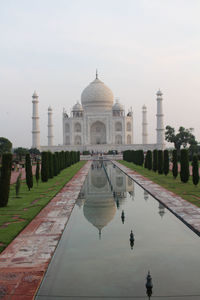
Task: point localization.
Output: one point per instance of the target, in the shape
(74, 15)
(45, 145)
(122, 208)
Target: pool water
(95, 260)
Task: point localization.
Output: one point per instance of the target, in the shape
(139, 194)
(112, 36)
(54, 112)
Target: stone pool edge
(187, 212)
(24, 262)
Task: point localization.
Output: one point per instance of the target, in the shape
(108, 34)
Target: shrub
(160, 161)
(29, 174)
(175, 163)
(155, 160)
(184, 174)
(195, 170)
(5, 173)
(166, 162)
(18, 185)
(37, 172)
(44, 167)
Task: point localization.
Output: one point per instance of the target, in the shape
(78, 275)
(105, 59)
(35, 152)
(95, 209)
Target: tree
(5, 145)
(175, 163)
(184, 174)
(195, 170)
(166, 162)
(5, 173)
(29, 174)
(44, 167)
(182, 138)
(50, 162)
(34, 151)
(160, 161)
(18, 185)
(155, 160)
(149, 160)
(20, 151)
(37, 172)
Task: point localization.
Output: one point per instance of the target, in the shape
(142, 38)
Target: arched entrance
(98, 133)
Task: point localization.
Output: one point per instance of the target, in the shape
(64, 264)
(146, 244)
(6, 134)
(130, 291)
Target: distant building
(98, 124)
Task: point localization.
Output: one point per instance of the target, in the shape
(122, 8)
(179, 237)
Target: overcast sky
(138, 46)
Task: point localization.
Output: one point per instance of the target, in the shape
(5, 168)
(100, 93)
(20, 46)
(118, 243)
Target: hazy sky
(138, 46)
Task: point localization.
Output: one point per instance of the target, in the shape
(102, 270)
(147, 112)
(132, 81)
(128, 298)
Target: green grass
(187, 191)
(20, 211)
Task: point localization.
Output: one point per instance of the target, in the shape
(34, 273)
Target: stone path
(185, 211)
(24, 262)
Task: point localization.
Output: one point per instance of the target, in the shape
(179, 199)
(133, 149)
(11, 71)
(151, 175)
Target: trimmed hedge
(5, 174)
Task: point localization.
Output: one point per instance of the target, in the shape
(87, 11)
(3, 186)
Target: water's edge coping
(187, 212)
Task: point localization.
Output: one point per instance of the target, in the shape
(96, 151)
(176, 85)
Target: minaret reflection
(161, 210)
(146, 195)
(105, 189)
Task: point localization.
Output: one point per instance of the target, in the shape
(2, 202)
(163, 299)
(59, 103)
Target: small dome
(97, 96)
(159, 93)
(77, 107)
(144, 107)
(35, 95)
(49, 108)
(117, 106)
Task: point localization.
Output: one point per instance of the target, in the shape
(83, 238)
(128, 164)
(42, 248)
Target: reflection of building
(99, 205)
(161, 209)
(98, 124)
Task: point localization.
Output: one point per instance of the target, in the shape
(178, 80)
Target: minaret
(35, 125)
(144, 125)
(160, 122)
(50, 127)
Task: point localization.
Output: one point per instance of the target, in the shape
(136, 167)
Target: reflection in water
(97, 198)
(149, 285)
(123, 217)
(161, 210)
(146, 195)
(132, 239)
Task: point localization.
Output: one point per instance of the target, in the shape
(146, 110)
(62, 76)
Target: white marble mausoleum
(98, 123)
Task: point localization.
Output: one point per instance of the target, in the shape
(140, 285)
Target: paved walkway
(185, 211)
(24, 262)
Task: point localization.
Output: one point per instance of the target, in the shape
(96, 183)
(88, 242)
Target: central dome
(97, 96)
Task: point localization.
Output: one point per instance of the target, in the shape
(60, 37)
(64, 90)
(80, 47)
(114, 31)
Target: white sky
(138, 46)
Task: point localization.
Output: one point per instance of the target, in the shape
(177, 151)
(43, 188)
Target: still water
(94, 259)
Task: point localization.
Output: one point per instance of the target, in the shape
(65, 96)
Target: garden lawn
(20, 211)
(187, 191)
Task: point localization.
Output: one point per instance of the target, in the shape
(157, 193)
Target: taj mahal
(98, 124)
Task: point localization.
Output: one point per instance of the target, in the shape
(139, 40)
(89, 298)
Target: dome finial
(96, 74)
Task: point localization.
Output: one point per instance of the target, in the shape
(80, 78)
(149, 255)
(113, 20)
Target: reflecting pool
(95, 258)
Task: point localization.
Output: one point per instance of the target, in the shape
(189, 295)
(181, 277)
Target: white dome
(77, 107)
(97, 96)
(118, 106)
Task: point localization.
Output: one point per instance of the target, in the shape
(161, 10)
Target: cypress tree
(195, 170)
(146, 160)
(160, 161)
(166, 162)
(5, 173)
(141, 161)
(29, 174)
(44, 167)
(18, 185)
(155, 160)
(50, 163)
(149, 161)
(78, 155)
(175, 163)
(184, 174)
(55, 165)
(37, 172)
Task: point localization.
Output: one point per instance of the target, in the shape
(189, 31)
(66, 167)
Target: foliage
(175, 163)
(5, 173)
(20, 152)
(18, 185)
(155, 160)
(44, 167)
(50, 162)
(86, 152)
(148, 160)
(182, 138)
(37, 172)
(195, 170)
(160, 162)
(5, 145)
(29, 174)
(34, 151)
(184, 161)
(166, 162)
